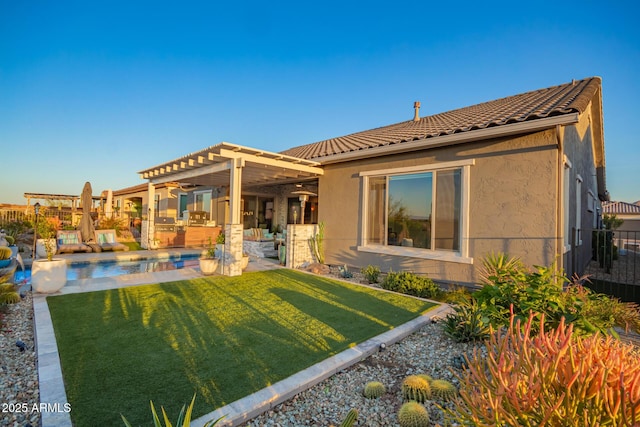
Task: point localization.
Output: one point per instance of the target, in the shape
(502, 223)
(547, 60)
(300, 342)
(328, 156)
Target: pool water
(94, 270)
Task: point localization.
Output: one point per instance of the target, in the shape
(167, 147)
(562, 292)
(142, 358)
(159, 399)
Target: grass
(133, 246)
(221, 337)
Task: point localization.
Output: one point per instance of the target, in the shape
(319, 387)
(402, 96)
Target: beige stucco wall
(512, 205)
(578, 146)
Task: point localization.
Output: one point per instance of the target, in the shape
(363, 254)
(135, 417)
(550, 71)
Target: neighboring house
(629, 212)
(523, 175)
(628, 234)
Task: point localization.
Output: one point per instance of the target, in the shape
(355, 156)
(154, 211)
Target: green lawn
(221, 337)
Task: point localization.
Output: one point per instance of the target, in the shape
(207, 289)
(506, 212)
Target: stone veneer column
(298, 248)
(232, 262)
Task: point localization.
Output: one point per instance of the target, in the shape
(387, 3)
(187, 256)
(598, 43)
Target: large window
(418, 211)
(202, 201)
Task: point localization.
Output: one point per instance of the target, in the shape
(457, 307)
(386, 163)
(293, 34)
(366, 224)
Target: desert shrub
(467, 323)
(455, 295)
(410, 284)
(554, 378)
(184, 418)
(117, 224)
(509, 288)
(47, 227)
(371, 273)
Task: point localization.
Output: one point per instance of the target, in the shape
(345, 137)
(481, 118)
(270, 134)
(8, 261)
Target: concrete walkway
(51, 384)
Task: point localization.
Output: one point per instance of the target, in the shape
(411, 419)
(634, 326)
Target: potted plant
(219, 241)
(49, 274)
(209, 262)
(46, 241)
(245, 261)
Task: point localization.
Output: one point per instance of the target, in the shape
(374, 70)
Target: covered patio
(237, 168)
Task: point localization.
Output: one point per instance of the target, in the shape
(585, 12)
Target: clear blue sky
(96, 91)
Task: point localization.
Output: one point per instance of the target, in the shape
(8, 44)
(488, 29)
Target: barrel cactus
(5, 252)
(413, 414)
(351, 418)
(374, 390)
(416, 388)
(426, 377)
(443, 389)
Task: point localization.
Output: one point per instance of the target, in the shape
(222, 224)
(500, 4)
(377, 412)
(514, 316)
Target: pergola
(235, 166)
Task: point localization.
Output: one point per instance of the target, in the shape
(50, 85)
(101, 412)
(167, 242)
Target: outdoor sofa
(70, 241)
(106, 241)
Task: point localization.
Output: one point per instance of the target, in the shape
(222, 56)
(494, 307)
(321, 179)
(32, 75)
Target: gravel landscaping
(19, 379)
(427, 351)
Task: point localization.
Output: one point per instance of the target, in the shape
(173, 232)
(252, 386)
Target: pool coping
(51, 384)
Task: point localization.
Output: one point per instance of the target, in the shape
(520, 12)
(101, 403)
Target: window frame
(460, 256)
(202, 193)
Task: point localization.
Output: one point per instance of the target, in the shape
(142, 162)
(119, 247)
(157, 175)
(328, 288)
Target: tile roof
(620, 208)
(568, 98)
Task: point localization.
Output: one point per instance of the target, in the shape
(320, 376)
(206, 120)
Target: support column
(149, 229)
(298, 247)
(235, 191)
(232, 263)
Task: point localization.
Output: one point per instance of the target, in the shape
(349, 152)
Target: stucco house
(627, 236)
(523, 174)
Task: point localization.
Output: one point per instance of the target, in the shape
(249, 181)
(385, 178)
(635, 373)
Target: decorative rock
(19, 378)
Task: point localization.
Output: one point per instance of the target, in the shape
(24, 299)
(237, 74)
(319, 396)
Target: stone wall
(298, 248)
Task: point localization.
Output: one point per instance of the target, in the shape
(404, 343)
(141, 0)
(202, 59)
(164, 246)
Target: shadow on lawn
(223, 337)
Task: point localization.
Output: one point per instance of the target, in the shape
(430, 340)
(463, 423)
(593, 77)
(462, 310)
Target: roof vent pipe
(416, 107)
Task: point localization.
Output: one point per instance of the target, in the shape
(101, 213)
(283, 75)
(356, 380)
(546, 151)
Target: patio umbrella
(86, 223)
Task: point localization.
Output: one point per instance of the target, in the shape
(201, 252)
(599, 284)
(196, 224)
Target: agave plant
(184, 418)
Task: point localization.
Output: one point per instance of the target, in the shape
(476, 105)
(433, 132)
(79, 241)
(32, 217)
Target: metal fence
(614, 268)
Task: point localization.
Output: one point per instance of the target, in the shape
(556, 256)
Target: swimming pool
(94, 270)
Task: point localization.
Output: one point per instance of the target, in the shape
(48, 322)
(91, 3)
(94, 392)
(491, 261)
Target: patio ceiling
(212, 166)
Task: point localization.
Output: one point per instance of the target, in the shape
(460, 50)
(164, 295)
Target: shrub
(184, 418)
(410, 284)
(509, 288)
(47, 227)
(555, 378)
(371, 273)
(455, 295)
(467, 323)
(16, 228)
(117, 224)
(344, 272)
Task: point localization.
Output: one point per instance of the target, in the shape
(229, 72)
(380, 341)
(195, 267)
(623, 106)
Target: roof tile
(568, 98)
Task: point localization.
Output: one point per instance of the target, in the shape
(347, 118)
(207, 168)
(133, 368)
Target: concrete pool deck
(50, 379)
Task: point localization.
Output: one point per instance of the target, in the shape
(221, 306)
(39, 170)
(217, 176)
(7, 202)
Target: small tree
(605, 251)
